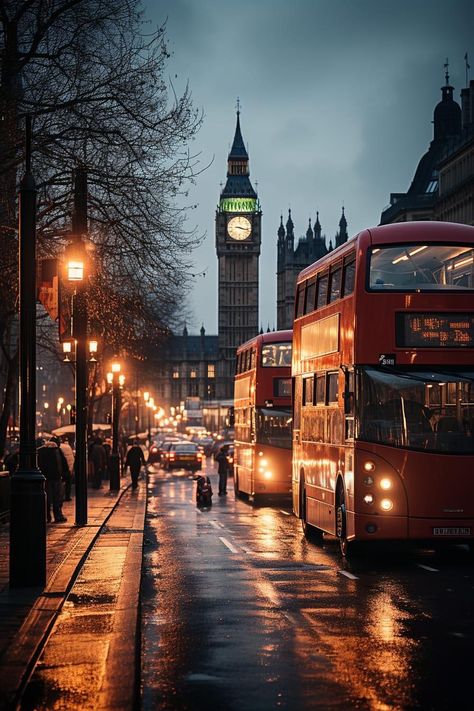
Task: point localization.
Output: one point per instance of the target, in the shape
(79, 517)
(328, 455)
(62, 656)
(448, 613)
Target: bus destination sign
(435, 330)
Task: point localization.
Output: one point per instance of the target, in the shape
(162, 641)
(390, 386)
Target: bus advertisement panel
(383, 369)
(262, 413)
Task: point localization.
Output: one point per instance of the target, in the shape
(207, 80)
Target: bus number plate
(451, 531)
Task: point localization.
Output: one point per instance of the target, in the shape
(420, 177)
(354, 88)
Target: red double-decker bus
(262, 416)
(383, 368)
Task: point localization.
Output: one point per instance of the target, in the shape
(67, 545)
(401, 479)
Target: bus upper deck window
(335, 285)
(308, 390)
(300, 300)
(310, 294)
(322, 291)
(349, 277)
(253, 359)
(320, 395)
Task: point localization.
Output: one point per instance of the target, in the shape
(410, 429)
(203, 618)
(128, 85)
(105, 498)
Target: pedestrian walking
(68, 452)
(51, 464)
(66, 471)
(223, 469)
(135, 460)
(97, 461)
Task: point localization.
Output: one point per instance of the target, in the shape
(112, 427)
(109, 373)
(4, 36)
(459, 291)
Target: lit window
(193, 374)
(211, 371)
(175, 374)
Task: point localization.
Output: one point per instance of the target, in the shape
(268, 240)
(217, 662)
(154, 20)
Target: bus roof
(399, 232)
(269, 337)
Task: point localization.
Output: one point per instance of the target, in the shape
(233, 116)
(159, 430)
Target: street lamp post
(76, 259)
(28, 500)
(115, 380)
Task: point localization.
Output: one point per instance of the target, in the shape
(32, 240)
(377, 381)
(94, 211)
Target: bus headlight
(263, 463)
(385, 483)
(386, 504)
(369, 466)
(369, 499)
(267, 475)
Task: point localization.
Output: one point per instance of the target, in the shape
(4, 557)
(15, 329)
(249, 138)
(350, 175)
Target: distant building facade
(291, 260)
(443, 184)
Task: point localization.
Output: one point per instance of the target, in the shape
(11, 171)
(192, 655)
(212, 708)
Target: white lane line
(229, 545)
(214, 524)
(348, 575)
(287, 513)
(427, 567)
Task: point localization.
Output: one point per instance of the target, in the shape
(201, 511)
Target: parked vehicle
(154, 453)
(206, 443)
(183, 455)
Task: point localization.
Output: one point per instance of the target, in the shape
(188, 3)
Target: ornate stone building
(291, 260)
(238, 239)
(443, 184)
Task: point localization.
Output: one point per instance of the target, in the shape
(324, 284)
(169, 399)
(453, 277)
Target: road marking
(229, 545)
(427, 567)
(246, 550)
(348, 575)
(214, 524)
(287, 513)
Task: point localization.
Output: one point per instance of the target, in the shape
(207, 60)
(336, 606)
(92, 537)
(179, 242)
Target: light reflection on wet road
(241, 612)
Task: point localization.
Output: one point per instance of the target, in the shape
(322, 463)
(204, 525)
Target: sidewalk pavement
(95, 567)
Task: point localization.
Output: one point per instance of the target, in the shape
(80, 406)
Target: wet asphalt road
(240, 612)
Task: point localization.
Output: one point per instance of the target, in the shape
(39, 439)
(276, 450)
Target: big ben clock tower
(238, 238)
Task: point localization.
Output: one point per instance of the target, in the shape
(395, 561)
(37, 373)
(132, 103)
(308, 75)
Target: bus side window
(308, 390)
(332, 387)
(322, 291)
(335, 285)
(238, 363)
(349, 277)
(320, 394)
(310, 294)
(253, 358)
(300, 300)
(297, 383)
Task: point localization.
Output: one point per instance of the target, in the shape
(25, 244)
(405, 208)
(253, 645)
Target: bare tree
(92, 75)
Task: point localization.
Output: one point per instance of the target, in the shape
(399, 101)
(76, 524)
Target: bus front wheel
(348, 548)
(311, 533)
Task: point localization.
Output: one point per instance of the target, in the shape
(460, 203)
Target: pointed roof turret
(238, 183)
(238, 149)
(289, 224)
(309, 231)
(281, 229)
(447, 114)
(341, 236)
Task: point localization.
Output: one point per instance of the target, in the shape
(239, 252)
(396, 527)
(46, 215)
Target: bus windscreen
(421, 267)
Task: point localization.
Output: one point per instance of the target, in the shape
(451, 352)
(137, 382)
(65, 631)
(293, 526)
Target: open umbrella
(67, 429)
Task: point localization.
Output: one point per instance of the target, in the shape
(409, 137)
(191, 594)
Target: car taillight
(154, 449)
(199, 455)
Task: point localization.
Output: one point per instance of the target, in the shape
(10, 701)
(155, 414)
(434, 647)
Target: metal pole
(114, 460)
(79, 332)
(28, 499)
(79, 316)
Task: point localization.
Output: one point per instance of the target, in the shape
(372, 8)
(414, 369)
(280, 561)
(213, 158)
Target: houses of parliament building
(202, 367)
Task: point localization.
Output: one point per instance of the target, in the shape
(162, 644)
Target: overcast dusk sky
(337, 99)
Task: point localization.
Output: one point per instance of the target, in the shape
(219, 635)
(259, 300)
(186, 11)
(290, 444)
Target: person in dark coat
(51, 465)
(66, 472)
(223, 469)
(98, 460)
(135, 460)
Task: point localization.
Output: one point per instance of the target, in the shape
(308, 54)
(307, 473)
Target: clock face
(239, 227)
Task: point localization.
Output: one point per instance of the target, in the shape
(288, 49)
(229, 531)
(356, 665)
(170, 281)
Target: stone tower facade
(291, 260)
(238, 240)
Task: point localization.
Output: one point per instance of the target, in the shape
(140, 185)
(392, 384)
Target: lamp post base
(28, 530)
(114, 470)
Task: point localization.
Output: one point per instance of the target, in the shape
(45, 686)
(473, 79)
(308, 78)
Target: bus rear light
(368, 480)
(369, 499)
(385, 483)
(369, 466)
(386, 504)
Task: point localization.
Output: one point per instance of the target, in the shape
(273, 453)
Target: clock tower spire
(238, 239)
